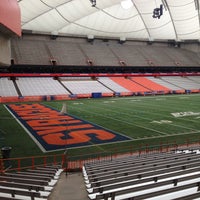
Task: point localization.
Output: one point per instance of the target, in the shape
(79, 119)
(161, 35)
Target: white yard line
(156, 96)
(159, 136)
(162, 136)
(141, 126)
(165, 110)
(29, 133)
(150, 120)
(130, 123)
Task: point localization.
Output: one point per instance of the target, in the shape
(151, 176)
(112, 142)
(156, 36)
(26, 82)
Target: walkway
(70, 187)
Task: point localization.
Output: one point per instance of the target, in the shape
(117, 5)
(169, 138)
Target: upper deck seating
(100, 54)
(66, 53)
(30, 51)
(39, 49)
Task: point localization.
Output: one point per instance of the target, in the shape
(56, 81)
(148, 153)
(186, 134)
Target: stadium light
(93, 2)
(126, 4)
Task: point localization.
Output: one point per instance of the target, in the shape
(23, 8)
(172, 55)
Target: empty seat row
(165, 176)
(30, 184)
(39, 86)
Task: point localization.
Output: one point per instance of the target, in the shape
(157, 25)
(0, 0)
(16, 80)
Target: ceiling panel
(180, 19)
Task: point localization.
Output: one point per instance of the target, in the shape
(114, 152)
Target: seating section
(172, 175)
(182, 82)
(7, 87)
(100, 54)
(180, 57)
(66, 53)
(196, 79)
(32, 51)
(30, 184)
(39, 50)
(112, 84)
(150, 84)
(142, 55)
(40, 86)
(130, 85)
(85, 87)
(164, 83)
(35, 86)
(130, 54)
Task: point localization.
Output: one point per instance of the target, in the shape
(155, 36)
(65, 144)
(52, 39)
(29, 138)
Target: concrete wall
(5, 50)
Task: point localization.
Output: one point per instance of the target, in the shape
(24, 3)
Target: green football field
(148, 120)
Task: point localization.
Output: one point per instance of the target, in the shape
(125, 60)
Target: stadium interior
(59, 59)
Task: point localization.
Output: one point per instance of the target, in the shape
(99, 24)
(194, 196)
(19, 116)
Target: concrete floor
(70, 187)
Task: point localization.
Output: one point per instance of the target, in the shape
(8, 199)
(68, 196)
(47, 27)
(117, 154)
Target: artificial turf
(146, 120)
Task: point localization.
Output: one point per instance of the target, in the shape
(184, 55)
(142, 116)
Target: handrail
(22, 163)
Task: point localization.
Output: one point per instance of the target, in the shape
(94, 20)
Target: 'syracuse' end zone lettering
(54, 131)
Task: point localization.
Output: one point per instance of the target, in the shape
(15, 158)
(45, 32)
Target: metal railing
(75, 163)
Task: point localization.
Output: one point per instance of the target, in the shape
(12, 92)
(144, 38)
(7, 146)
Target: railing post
(140, 149)
(147, 148)
(33, 162)
(161, 147)
(167, 147)
(18, 165)
(45, 161)
(1, 166)
(54, 160)
(132, 150)
(80, 164)
(63, 160)
(175, 145)
(188, 142)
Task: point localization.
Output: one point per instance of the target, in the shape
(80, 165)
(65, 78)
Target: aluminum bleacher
(165, 176)
(37, 185)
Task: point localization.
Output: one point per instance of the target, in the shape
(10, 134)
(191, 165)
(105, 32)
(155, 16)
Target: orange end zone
(52, 130)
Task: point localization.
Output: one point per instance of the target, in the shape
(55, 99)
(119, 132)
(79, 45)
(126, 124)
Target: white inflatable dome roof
(128, 19)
